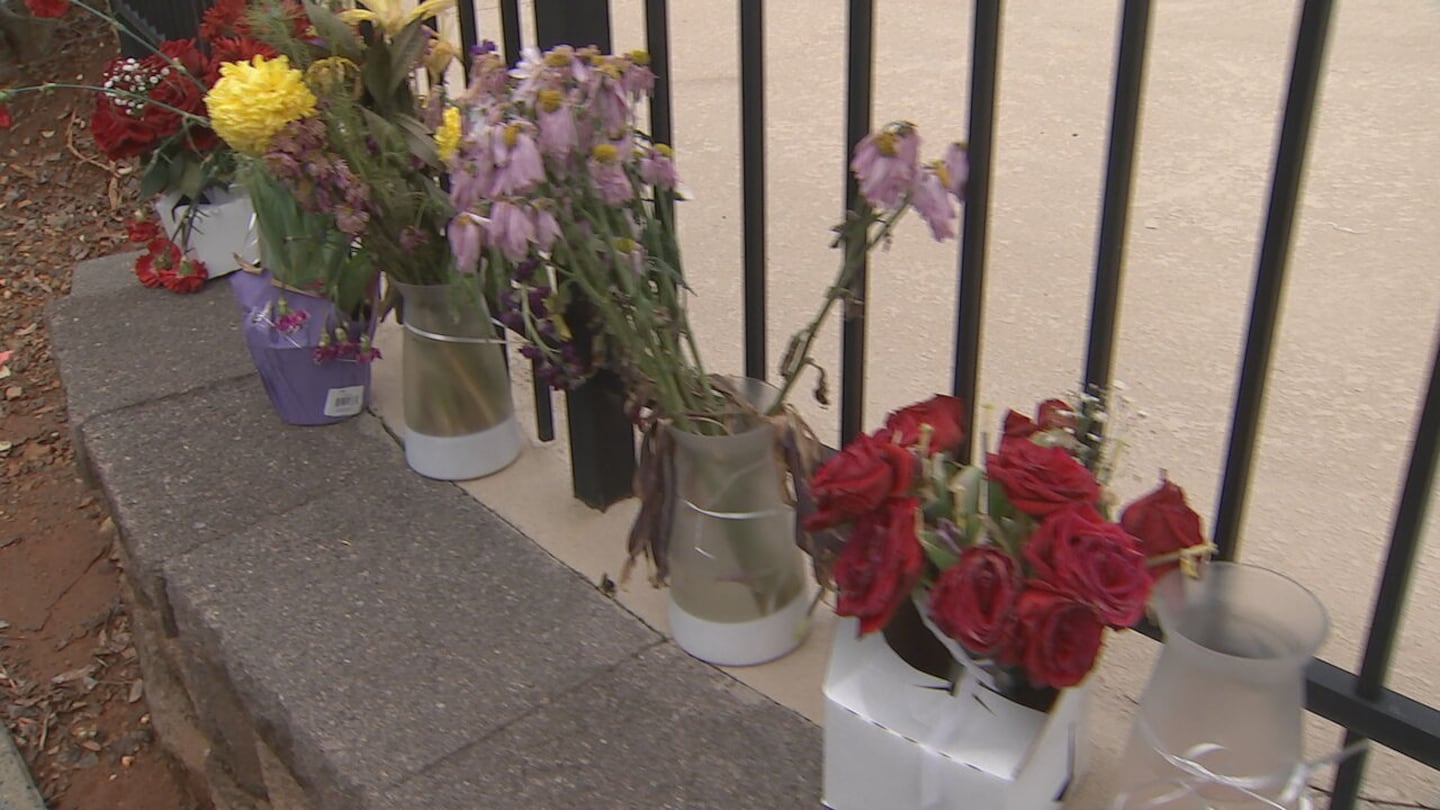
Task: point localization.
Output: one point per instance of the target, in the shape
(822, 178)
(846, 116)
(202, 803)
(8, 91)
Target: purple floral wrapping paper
(302, 390)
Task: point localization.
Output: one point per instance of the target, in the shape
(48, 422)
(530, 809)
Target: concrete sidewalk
(345, 634)
(17, 790)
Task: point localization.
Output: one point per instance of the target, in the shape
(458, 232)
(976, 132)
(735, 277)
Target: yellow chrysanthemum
(447, 137)
(251, 102)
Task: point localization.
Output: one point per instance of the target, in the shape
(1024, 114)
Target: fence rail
(1358, 701)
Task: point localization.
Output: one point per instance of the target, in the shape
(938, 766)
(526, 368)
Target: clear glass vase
(459, 418)
(1220, 725)
(738, 585)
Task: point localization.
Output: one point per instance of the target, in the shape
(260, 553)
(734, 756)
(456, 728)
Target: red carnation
(225, 18)
(5, 120)
(157, 262)
(48, 8)
(235, 49)
(188, 277)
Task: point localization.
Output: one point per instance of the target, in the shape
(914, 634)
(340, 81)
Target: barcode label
(345, 401)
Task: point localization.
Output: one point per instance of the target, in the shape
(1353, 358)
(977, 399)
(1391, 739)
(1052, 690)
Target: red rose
(943, 414)
(1164, 522)
(48, 8)
(1055, 638)
(189, 276)
(1049, 415)
(1039, 480)
(973, 601)
(5, 120)
(879, 564)
(858, 479)
(1096, 561)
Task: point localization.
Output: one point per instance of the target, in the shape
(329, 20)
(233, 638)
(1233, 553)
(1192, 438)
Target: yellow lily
(390, 15)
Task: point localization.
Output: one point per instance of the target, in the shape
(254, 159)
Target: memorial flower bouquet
(569, 208)
(1014, 563)
(152, 109)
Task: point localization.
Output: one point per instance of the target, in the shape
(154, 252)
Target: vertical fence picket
(1395, 578)
(1115, 213)
(752, 173)
(1270, 275)
(984, 64)
(859, 94)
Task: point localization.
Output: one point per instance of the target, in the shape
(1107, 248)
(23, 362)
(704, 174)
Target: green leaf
(935, 551)
(336, 32)
(155, 177)
(376, 74)
(407, 49)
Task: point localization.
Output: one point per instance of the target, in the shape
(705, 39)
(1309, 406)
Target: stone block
(188, 470)
(661, 730)
(379, 629)
(138, 345)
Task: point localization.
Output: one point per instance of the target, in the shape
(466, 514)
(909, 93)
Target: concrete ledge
(340, 633)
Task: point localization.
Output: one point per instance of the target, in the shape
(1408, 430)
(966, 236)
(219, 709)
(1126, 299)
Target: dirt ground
(71, 693)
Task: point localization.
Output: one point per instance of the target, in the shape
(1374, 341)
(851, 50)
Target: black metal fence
(603, 448)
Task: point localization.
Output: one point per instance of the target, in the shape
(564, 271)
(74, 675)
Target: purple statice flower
(467, 239)
(957, 169)
(557, 124)
(657, 167)
(518, 166)
(608, 175)
(886, 162)
(931, 200)
(547, 227)
(511, 230)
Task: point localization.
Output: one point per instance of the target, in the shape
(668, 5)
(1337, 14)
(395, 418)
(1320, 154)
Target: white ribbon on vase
(1193, 776)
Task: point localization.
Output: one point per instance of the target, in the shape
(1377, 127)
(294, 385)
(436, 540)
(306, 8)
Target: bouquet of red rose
(1015, 561)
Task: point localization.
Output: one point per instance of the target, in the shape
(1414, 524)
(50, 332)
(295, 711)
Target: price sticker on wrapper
(346, 401)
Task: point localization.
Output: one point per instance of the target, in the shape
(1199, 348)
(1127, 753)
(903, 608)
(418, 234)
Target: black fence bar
(469, 34)
(984, 61)
(1395, 579)
(153, 20)
(1397, 722)
(602, 439)
(1119, 171)
(859, 92)
(752, 179)
(510, 30)
(657, 42)
(544, 405)
(1270, 276)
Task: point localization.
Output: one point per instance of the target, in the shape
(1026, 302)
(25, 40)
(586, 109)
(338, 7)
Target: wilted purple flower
(638, 79)
(557, 124)
(517, 160)
(547, 228)
(608, 176)
(885, 163)
(511, 230)
(351, 221)
(957, 169)
(657, 167)
(470, 181)
(467, 239)
(931, 201)
(610, 105)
